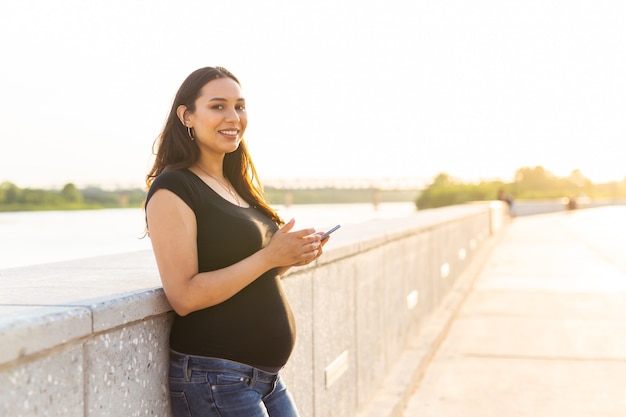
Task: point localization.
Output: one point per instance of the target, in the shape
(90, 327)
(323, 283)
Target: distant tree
(442, 180)
(539, 183)
(578, 179)
(530, 183)
(537, 179)
(3, 187)
(33, 196)
(10, 193)
(444, 191)
(71, 194)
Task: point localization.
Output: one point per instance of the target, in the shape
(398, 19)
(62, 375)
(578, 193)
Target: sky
(334, 89)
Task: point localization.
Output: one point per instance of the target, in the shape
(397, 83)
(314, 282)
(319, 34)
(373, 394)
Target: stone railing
(89, 338)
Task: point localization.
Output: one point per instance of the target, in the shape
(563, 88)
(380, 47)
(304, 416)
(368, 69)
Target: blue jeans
(211, 387)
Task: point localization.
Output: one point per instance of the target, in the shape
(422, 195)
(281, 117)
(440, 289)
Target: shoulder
(180, 182)
(171, 177)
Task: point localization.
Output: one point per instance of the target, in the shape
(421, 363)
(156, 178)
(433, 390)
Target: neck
(212, 170)
(224, 183)
(212, 173)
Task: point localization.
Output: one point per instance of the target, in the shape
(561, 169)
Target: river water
(30, 238)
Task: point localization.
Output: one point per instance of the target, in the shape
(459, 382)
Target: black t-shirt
(256, 325)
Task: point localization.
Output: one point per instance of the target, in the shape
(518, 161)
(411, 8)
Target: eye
(217, 107)
(241, 107)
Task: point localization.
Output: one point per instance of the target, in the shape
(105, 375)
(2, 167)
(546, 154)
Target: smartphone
(325, 235)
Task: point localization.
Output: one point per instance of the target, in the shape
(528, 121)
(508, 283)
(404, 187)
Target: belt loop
(186, 372)
(255, 376)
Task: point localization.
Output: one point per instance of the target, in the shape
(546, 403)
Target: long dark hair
(174, 150)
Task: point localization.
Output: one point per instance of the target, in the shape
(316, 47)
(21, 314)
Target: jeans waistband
(204, 363)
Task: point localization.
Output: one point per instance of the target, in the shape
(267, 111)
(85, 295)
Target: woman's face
(220, 118)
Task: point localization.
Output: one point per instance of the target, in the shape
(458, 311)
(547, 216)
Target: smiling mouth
(229, 132)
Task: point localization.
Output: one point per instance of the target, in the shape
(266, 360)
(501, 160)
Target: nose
(233, 115)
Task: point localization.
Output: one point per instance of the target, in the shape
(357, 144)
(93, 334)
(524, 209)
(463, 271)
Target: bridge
(452, 311)
(376, 182)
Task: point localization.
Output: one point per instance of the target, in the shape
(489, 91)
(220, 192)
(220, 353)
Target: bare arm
(172, 226)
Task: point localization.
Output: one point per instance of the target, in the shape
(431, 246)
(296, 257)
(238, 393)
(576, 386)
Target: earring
(190, 133)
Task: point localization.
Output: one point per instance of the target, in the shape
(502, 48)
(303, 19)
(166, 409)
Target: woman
(220, 250)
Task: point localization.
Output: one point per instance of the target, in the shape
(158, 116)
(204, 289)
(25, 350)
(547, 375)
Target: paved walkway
(543, 332)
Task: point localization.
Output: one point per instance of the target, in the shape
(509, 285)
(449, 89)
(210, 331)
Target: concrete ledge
(89, 337)
(28, 330)
(405, 375)
(111, 312)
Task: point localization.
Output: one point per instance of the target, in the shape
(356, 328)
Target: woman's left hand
(318, 248)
